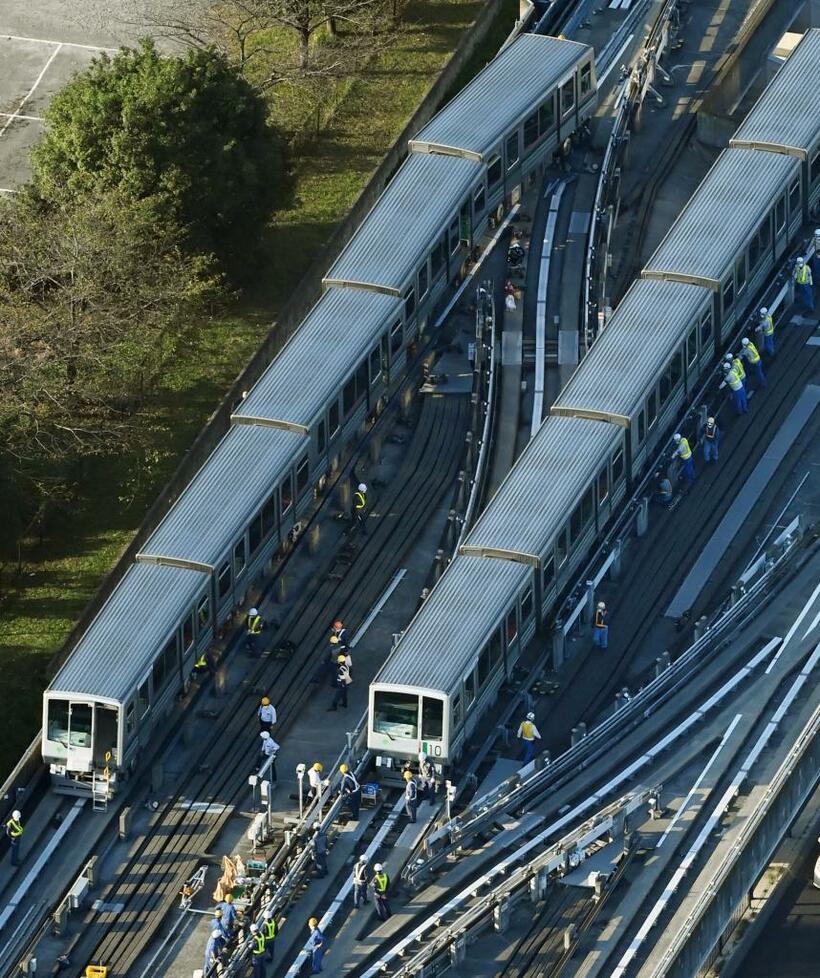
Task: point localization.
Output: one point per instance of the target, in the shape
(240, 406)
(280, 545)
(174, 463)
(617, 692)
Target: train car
(785, 118)
(644, 366)
(737, 224)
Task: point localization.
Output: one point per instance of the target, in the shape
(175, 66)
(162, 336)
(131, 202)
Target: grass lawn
(60, 573)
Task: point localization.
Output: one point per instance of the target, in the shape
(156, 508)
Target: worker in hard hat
(528, 733)
(411, 795)
(710, 439)
(253, 629)
(213, 950)
(317, 945)
(381, 885)
(749, 353)
(765, 329)
(600, 627)
(360, 506)
(361, 879)
(684, 452)
(14, 833)
(266, 714)
(350, 790)
(803, 285)
(258, 952)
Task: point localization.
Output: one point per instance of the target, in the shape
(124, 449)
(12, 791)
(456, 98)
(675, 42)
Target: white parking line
(63, 44)
(33, 88)
(16, 115)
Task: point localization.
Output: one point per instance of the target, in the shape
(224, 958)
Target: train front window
(58, 721)
(432, 719)
(80, 725)
(396, 714)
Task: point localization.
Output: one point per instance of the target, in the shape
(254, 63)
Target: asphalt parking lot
(42, 46)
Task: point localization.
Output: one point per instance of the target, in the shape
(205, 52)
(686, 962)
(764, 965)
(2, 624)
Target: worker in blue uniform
(600, 628)
(253, 629)
(427, 775)
(213, 950)
(663, 490)
(765, 329)
(228, 914)
(803, 285)
(411, 795)
(269, 933)
(735, 384)
(752, 357)
(710, 439)
(317, 945)
(14, 833)
(360, 506)
(684, 452)
(528, 733)
(257, 951)
(361, 879)
(351, 791)
(319, 843)
(381, 886)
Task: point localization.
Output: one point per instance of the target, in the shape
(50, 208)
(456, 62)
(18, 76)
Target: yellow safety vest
(768, 326)
(269, 929)
(684, 451)
(259, 943)
(527, 730)
(733, 379)
(201, 662)
(801, 274)
(737, 366)
(381, 881)
(255, 624)
(15, 828)
(754, 356)
(360, 500)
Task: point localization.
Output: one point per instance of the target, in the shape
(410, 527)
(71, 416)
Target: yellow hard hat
(265, 701)
(318, 766)
(334, 639)
(344, 768)
(229, 898)
(341, 657)
(408, 775)
(313, 922)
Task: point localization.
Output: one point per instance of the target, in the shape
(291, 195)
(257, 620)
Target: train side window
(728, 294)
(164, 666)
(496, 649)
(617, 466)
(455, 706)
(548, 572)
(753, 251)
(469, 690)
(349, 396)
(409, 302)
(269, 514)
(432, 718)
(286, 489)
(676, 369)
(561, 547)
(603, 484)
(361, 380)
(692, 346)
(765, 234)
(455, 237)
(321, 436)
(641, 427)
(815, 167)
(143, 700)
(437, 256)
(531, 130)
(333, 418)
(423, 279)
(705, 330)
(239, 557)
(780, 215)
(396, 337)
(484, 667)
(188, 633)
(795, 197)
(511, 149)
(375, 365)
(586, 79)
(223, 580)
(495, 168)
(546, 115)
(665, 386)
(203, 611)
(255, 534)
(526, 605)
(740, 273)
(567, 95)
(479, 201)
(511, 627)
(302, 475)
(652, 409)
(130, 717)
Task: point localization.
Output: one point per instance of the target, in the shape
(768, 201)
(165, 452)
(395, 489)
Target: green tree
(187, 133)
(94, 299)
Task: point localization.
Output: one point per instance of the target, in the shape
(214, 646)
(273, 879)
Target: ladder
(100, 790)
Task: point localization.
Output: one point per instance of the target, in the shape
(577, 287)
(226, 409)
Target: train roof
(336, 336)
(721, 217)
(119, 646)
(407, 220)
(220, 500)
(785, 119)
(453, 624)
(647, 327)
(540, 492)
(512, 85)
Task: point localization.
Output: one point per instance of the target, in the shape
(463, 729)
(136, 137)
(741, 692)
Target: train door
(106, 728)
(80, 736)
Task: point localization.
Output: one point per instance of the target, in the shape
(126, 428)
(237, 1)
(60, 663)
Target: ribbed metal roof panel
(132, 626)
(222, 497)
(544, 486)
(405, 221)
(510, 87)
(786, 114)
(722, 215)
(635, 347)
(340, 330)
(454, 622)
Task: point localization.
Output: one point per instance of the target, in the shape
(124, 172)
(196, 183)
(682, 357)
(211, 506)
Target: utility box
(77, 893)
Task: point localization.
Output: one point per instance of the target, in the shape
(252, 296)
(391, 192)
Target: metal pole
(300, 775)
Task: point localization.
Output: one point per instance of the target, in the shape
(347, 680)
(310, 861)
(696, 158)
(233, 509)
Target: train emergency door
(105, 734)
(80, 736)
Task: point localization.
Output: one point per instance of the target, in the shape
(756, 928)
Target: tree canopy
(189, 134)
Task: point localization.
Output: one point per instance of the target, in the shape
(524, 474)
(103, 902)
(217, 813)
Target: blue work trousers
(768, 344)
(710, 450)
(15, 851)
(804, 296)
(316, 959)
(359, 894)
(382, 907)
(410, 806)
(529, 750)
(259, 965)
(741, 402)
(353, 799)
(760, 377)
(600, 636)
(688, 469)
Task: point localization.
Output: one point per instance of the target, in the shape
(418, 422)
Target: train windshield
(396, 714)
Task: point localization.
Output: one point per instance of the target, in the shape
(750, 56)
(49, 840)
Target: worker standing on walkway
(219, 924)
(253, 629)
(752, 357)
(14, 833)
(317, 945)
(411, 795)
(340, 632)
(351, 791)
(731, 377)
(213, 951)
(427, 775)
(343, 680)
(528, 732)
(381, 884)
(710, 439)
(361, 879)
(359, 506)
(315, 779)
(319, 844)
(684, 453)
(228, 914)
(803, 291)
(765, 329)
(600, 629)
(268, 749)
(257, 951)
(269, 933)
(266, 714)
(737, 365)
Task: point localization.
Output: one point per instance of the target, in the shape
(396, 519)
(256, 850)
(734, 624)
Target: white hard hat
(253, 611)
(801, 261)
(530, 716)
(378, 867)
(745, 341)
(268, 915)
(727, 367)
(729, 357)
(265, 735)
(16, 815)
(677, 436)
(254, 928)
(601, 605)
(216, 932)
(362, 487)
(710, 421)
(363, 858)
(764, 311)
